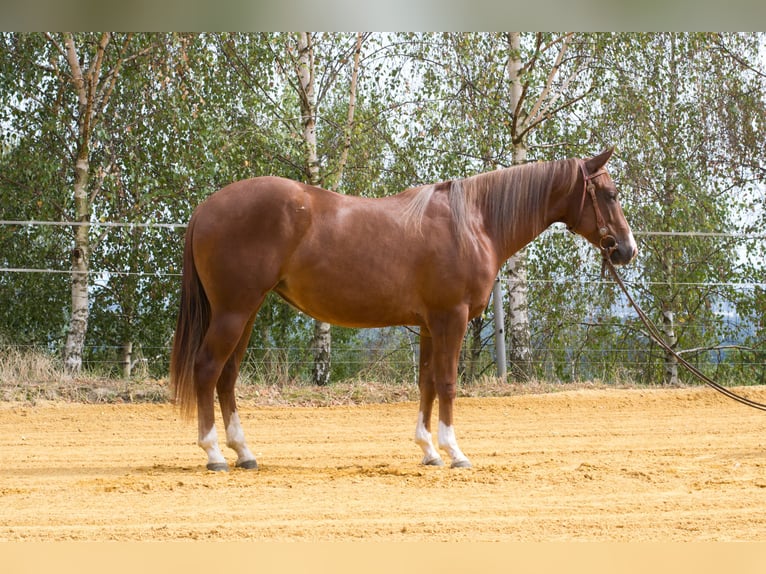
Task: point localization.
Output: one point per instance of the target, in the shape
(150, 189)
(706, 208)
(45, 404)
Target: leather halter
(607, 242)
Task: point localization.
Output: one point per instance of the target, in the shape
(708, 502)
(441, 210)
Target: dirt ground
(596, 465)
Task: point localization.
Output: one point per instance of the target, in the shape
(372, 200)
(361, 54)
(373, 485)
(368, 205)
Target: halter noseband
(607, 242)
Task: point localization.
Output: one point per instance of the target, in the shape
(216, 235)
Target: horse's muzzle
(623, 253)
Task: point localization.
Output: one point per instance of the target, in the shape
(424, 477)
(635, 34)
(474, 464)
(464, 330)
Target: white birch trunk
(519, 354)
(83, 85)
(500, 345)
(126, 360)
(322, 342)
(92, 98)
(670, 375)
(305, 70)
(322, 346)
(670, 367)
(518, 318)
(78, 325)
(671, 362)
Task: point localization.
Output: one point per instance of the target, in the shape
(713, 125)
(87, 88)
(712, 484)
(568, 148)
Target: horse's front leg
(447, 340)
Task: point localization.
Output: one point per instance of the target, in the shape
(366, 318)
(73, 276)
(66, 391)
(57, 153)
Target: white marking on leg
(209, 444)
(423, 438)
(448, 442)
(235, 439)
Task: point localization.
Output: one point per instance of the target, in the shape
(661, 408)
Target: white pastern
(235, 438)
(209, 443)
(448, 442)
(423, 438)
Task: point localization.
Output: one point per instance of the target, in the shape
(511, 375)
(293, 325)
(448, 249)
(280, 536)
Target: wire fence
(275, 364)
(399, 359)
(175, 226)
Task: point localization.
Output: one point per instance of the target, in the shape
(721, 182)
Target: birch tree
(497, 97)
(80, 74)
(92, 95)
(108, 115)
(161, 165)
(684, 110)
(548, 76)
(306, 71)
(309, 76)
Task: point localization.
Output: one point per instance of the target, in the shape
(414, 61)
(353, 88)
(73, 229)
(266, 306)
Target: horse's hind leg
(221, 339)
(235, 435)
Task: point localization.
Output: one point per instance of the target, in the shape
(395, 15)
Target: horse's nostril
(623, 254)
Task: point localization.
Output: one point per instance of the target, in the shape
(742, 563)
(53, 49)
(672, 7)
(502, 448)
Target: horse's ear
(596, 163)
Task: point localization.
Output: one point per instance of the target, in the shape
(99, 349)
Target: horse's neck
(516, 215)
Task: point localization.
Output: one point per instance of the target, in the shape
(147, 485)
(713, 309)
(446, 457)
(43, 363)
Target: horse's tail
(193, 321)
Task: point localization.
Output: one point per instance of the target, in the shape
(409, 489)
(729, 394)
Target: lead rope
(657, 337)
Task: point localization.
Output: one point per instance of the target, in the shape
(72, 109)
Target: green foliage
(193, 112)
(683, 167)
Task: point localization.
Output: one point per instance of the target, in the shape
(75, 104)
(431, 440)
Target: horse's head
(595, 212)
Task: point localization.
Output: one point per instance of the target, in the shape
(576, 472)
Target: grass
(32, 376)
(26, 365)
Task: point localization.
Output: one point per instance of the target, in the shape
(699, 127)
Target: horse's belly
(350, 303)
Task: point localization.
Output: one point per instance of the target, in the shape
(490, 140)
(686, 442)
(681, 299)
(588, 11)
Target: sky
(392, 15)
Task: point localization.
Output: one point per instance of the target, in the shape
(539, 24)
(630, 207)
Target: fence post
(497, 301)
(126, 360)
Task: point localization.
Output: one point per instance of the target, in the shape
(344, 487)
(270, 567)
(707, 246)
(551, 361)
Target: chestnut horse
(427, 257)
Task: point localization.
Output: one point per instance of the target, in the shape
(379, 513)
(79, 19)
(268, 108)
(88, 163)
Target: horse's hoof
(218, 466)
(433, 462)
(461, 464)
(248, 464)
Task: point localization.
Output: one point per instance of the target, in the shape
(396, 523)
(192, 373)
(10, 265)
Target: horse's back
(342, 259)
(247, 197)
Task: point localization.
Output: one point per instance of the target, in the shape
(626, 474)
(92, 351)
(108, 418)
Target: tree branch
(741, 61)
(697, 350)
(548, 83)
(94, 72)
(74, 67)
(246, 74)
(304, 70)
(351, 108)
(518, 90)
(559, 93)
(552, 113)
(56, 45)
(111, 78)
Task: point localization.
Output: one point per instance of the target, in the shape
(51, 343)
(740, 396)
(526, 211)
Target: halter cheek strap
(607, 242)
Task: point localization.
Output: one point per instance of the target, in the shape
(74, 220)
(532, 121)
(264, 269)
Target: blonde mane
(508, 199)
